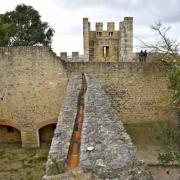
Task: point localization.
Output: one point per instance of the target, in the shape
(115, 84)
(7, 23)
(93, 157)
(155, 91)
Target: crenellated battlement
(73, 58)
(110, 25)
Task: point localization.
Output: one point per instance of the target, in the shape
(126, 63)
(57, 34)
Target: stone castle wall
(138, 91)
(32, 85)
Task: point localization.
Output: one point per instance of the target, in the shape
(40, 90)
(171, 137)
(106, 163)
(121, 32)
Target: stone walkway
(106, 149)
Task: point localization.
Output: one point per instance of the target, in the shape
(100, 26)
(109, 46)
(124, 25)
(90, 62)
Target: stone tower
(110, 45)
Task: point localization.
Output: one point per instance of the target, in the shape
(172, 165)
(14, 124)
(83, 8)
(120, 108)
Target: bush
(170, 138)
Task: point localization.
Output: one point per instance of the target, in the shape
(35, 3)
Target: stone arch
(6, 122)
(9, 132)
(46, 122)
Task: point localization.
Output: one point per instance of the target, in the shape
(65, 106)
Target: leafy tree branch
(23, 27)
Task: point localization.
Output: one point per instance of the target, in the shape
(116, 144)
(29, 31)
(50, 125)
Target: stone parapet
(106, 148)
(56, 163)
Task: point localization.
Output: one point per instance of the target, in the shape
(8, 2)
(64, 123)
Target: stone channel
(73, 158)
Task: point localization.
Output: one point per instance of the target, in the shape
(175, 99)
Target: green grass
(144, 135)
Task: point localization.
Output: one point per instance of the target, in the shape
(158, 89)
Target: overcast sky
(65, 17)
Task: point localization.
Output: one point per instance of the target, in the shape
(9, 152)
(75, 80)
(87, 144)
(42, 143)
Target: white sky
(65, 17)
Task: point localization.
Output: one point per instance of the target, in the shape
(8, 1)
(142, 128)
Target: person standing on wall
(141, 56)
(144, 56)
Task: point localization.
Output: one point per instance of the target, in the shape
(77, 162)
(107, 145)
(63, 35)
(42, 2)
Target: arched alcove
(9, 134)
(46, 132)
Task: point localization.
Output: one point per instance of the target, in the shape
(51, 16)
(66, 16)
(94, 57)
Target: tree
(168, 50)
(168, 54)
(23, 27)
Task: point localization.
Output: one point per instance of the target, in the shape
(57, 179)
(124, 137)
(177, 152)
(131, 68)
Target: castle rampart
(33, 82)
